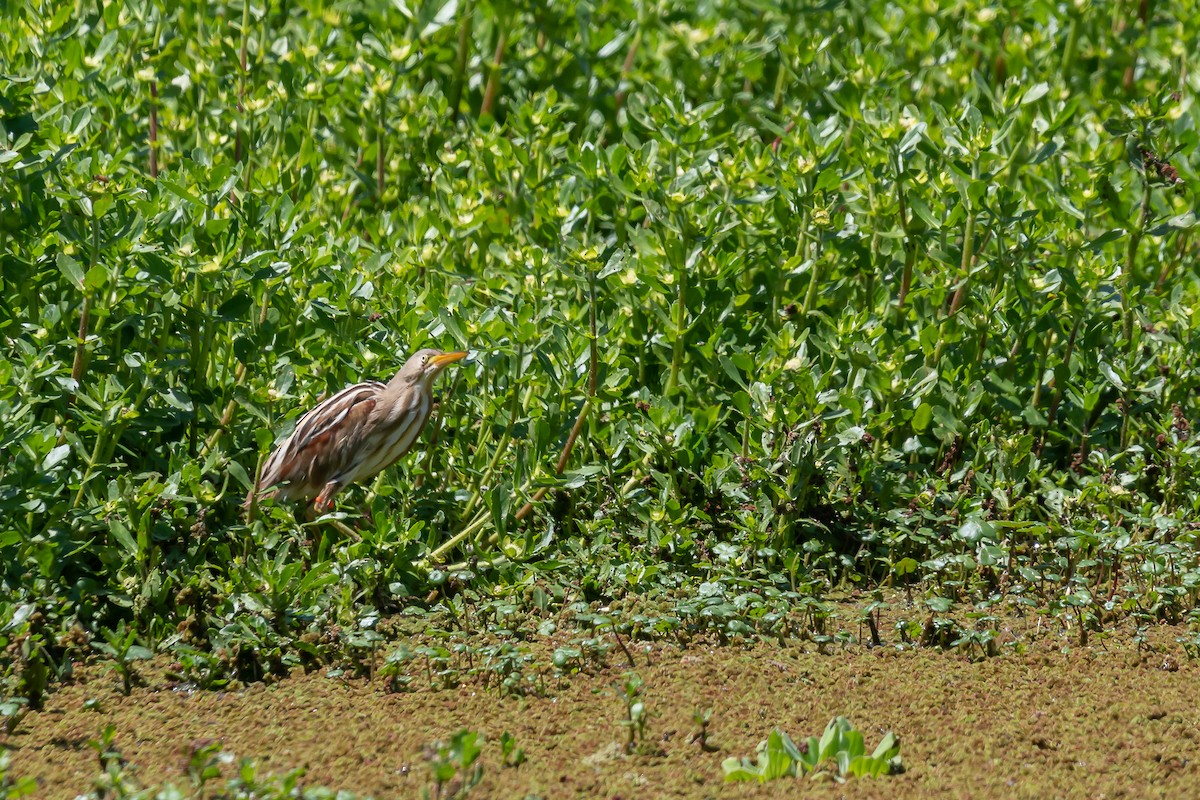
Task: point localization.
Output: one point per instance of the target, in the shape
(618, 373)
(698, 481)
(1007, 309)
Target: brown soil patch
(1108, 720)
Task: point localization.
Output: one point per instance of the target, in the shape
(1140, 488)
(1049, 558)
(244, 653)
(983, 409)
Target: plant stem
(97, 448)
(445, 547)
(780, 85)
(810, 295)
(680, 328)
(626, 71)
(968, 256)
(1068, 58)
(1143, 15)
(460, 60)
(1130, 286)
(501, 448)
(239, 377)
(1040, 369)
(379, 155)
(1058, 390)
(241, 105)
(1130, 276)
(910, 247)
(493, 84)
(869, 278)
(154, 130)
(593, 375)
(77, 368)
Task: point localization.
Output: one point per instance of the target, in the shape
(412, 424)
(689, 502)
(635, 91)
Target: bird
(354, 435)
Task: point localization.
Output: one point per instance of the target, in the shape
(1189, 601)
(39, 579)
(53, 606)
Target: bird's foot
(324, 502)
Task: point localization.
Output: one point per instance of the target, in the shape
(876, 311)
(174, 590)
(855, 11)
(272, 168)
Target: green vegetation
(839, 754)
(767, 304)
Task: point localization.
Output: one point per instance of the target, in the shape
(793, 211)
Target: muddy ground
(1047, 718)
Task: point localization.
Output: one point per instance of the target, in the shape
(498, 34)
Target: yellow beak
(448, 358)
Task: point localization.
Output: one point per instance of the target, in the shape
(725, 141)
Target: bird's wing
(400, 419)
(317, 449)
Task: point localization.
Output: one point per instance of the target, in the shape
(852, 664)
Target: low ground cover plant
(764, 307)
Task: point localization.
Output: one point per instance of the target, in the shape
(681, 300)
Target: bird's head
(424, 365)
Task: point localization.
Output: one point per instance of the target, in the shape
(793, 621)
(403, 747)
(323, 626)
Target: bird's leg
(324, 501)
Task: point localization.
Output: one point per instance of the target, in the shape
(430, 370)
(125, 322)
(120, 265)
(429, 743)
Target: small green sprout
(512, 755)
(452, 763)
(839, 754)
(119, 645)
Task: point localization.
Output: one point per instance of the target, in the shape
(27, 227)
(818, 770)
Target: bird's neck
(398, 385)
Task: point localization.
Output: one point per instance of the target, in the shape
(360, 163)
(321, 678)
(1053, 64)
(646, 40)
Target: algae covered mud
(765, 300)
(1046, 717)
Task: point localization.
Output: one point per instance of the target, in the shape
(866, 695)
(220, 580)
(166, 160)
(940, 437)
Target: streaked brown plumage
(355, 434)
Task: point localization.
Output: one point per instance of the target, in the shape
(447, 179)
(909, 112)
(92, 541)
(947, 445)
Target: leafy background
(835, 295)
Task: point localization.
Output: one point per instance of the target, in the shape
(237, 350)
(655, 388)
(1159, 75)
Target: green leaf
(121, 534)
(1111, 376)
(828, 179)
(95, 278)
(138, 653)
(444, 17)
(1097, 244)
(912, 137)
(939, 604)
(1118, 127)
(70, 269)
(575, 478)
(1035, 93)
(180, 191)
(178, 398)
(884, 750)
(739, 770)
(240, 475)
(830, 740)
(922, 417)
(235, 308)
(852, 743)
(775, 760)
(55, 457)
